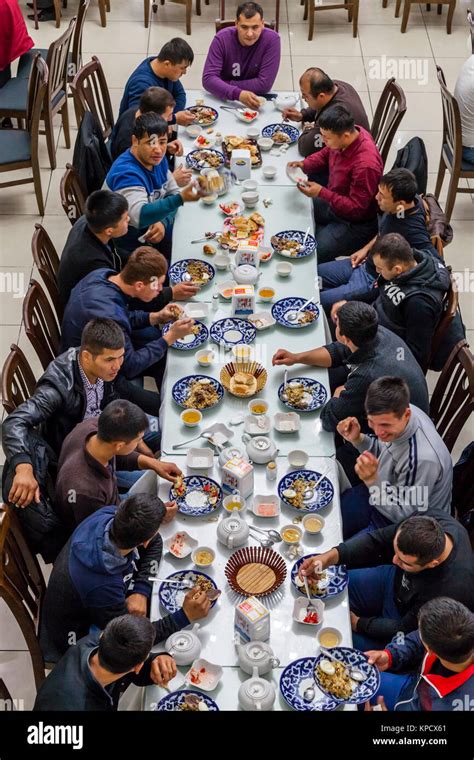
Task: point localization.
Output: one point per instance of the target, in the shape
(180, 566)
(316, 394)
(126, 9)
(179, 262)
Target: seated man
(438, 658)
(464, 95)
(106, 294)
(77, 385)
(402, 212)
(320, 92)
(165, 70)
(399, 568)
(365, 351)
(90, 245)
(405, 467)
(94, 673)
(243, 60)
(345, 212)
(159, 101)
(93, 452)
(142, 176)
(103, 572)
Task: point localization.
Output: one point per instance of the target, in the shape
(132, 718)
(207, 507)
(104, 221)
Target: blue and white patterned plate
(292, 132)
(291, 304)
(318, 499)
(196, 501)
(315, 394)
(177, 271)
(295, 679)
(364, 690)
(337, 577)
(298, 236)
(172, 701)
(189, 341)
(231, 331)
(181, 389)
(212, 116)
(171, 597)
(197, 163)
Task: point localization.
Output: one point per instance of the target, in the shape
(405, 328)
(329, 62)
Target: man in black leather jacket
(78, 384)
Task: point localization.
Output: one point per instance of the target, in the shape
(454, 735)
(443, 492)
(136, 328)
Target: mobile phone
(270, 95)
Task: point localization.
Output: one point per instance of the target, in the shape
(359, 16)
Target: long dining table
(289, 640)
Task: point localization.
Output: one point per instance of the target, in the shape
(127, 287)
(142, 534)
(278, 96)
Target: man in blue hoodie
(103, 572)
(154, 195)
(439, 657)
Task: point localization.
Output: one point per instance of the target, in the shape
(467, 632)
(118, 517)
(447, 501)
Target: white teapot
(245, 274)
(260, 448)
(233, 531)
(256, 693)
(184, 646)
(256, 654)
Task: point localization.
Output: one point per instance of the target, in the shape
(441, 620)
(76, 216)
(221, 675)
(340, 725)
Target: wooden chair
(351, 6)
(41, 324)
(47, 263)
(451, 151)
(73, 197)
(18, 147)
(224, 24)
(270, 24)
(407, 9)
(450, 307)
(18, 380)
(104, 5)
(91, 93)
(390, 110)
(452, 401)
(187, 3)
(22, 586)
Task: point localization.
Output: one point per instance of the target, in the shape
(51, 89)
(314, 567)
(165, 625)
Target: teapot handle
(275, 662)
(195, 628)
(258, 705)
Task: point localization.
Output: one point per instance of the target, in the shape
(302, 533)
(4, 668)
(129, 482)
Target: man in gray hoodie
(405, 468)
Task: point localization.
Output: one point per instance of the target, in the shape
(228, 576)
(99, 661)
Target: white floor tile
(132, 35)
(17, 672)
(327, 40)
(346, 69)
(382, 40)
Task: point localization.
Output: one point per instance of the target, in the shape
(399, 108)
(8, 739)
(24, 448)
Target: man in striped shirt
(405, 468)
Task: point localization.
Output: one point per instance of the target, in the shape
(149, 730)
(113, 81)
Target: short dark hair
(337, 119)
(401, 183)
(175, 51)
(248, 10)
(149, 124)
(387, 395)
(422, 537)
(104, 209)
(143, 265)
(358, 321)
(125, 643)
(319, 81)
(393, 248)
(136, 520)
(121, 421)
(447, 628)
(102, 334)
(157, 100)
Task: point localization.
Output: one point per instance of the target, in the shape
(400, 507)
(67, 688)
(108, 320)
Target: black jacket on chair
(91, 158)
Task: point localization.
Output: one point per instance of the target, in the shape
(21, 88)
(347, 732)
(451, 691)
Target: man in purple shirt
(244, 59)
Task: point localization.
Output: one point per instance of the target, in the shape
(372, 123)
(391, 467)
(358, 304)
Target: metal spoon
(207, 436)
(354, 673)
(183, 584)
(309, 694)
(305, 238)
(211, 236)
(273, 534)
(308, 594)
(292, 316)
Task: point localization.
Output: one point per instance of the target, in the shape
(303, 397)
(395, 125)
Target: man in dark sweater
(345, 211)
(395, 570)
(320, 92)
(103, 572)
(364, 351)
(94, 673)
(106, 294)
(403, 212)
(91, 455)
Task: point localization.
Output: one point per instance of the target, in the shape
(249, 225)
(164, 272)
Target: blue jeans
(468, 155)
(152, 437)
(339, 237)
(358, 515)
(371, 595)
(392, 686)
(340, 280)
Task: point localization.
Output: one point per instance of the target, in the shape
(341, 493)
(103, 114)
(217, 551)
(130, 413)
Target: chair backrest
(41, 324)
(57, 61)
(22, 585)
(18, 380)
(452, 133)
(221, 24)
(388, 115)
(452, 401)
(47, 262)
(76, 52)
(73, 197)
(91, 93)
(37, 88)
(5, 696)
(451, 305)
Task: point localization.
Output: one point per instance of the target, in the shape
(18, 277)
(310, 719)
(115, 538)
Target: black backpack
(413, 157)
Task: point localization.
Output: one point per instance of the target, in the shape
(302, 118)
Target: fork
(183, 584)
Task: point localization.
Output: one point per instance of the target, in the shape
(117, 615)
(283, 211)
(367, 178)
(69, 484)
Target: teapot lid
(257, 688)
(182, 641)
(256, 650)
(232, 524)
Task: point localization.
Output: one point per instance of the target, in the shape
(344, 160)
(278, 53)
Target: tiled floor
(361, 61)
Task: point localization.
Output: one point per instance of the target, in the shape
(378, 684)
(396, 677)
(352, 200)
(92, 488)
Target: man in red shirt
(345, 212)
(14, 38)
